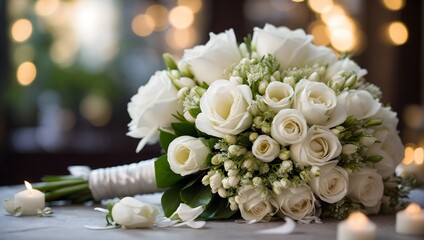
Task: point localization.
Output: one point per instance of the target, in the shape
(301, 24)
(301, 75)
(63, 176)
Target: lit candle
(356, 227)
(30, 200)
(412, 164)
(411, 220)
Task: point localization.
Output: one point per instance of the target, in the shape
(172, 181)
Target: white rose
(291, 48)
(224, 109)
(289, 127)
(252, 204)
(385, 167)
(388, 135)
(152, 108)
(132, 213)
(332, 184)
(208, 62)
(187, 155)
(265, 148)
(318, 147)
(278, 96)
(319, 104)
(296, 203)
(359, 103)
(366, 187)
(344, 66)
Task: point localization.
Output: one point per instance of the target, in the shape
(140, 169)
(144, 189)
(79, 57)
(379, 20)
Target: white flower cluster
(297, 129)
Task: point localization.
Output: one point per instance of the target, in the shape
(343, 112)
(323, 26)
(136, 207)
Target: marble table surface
(68, 222)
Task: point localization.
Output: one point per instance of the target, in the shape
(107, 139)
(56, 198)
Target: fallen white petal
(186, 213)
(94, 227)
(191, 223)
(287, 228)
(101, 210)
(165, 222)
(9, 205)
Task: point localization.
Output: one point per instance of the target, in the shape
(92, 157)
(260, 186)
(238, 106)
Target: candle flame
(413, 209)
(29, 187)
(409, 155)
(357, 220)
(419, 155)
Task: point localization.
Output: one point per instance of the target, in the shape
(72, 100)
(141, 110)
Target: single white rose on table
(278, 96)
(290, 47)
(318, 148)
(319, 104)
(265, 148)
(366, 187)
(359, 103)
(132, 213)
(296, 203)
(289, 127)
(187, 155)
(152, 108)
(208, 62)
(332, 184)
(224, 109)
(253, 205)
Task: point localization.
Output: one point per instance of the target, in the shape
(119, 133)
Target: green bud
(351, 81)
(276, 75)
(373, 122)
(230, 139)
(266, 128)
(169, 61)
(374, 158)
(215, 160)
(199, 90)
(257, 121)
(367, 141)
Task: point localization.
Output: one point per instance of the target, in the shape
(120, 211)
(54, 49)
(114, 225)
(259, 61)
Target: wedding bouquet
(272, 127)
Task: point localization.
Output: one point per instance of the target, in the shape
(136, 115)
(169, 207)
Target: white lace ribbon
(125, 180)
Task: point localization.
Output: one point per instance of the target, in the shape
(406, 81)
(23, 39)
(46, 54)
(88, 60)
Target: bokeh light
(143, 25)
(21, 30)
(96, 110)
(194, 5)
(46, 7)
(181, 17)
(321, 6)
(394, 5)
(342, 39)
(398, 33)
(320, 32)
(26, 73)
(160, 16)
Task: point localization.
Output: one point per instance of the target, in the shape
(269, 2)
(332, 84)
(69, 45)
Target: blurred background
(68, 68)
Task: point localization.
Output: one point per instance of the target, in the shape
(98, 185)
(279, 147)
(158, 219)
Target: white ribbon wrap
(125, 180)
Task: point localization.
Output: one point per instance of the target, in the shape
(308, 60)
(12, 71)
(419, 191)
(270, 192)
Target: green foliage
(171, 199)
(196, 194)
(217, 209)
(184, 128)
(165, 177)
(165, 138)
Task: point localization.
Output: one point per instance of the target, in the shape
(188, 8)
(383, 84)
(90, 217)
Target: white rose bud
(132, 213)
(228, 165)
(265, 148)
(230, 139)
(247, 163)
(349, 149)
(215, 160)
(222, 192)
(226, 183)
(233, 180)
(367, 141)
(187, 155)
(215, 182)
(233, 172)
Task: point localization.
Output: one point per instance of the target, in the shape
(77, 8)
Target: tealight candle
(29, 201)
(411, 220)
(356, 227)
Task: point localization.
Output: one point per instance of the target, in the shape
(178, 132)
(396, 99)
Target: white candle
(411, 220)
(356, 227)
(30, 200)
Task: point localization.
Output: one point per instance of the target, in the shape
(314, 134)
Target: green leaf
(244, 141)
(196, 194)
(171, 199)
(183, 128)
(194, 112)
(165, 177)
(51, 186)
(165, 138)
(217, 209)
